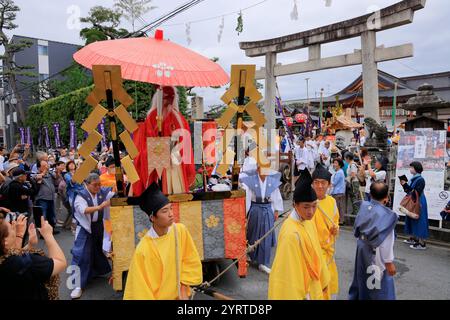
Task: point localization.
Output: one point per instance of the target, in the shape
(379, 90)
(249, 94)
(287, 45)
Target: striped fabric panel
(213, 237)
(176, 211)
(191, 217)
(234, 232)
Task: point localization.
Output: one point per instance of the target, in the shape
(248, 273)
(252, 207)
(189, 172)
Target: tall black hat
(152, 200)
(321, 173)
(303, 189)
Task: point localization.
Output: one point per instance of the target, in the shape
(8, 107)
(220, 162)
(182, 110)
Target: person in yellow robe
(166, 262)
(299, 270)
(326, 220)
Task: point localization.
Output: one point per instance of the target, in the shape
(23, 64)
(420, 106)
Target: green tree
(73, 78)
(133, 9)
(104, 25)
(182, 100)
(142, 94)
(10, 71)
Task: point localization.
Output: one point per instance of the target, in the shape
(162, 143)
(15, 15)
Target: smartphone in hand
(37, 214)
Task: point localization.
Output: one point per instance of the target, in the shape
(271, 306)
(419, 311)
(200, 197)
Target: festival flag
(56, 130)
(22, 135)
(73, 134)
(29, 138)
(47, 138)
(40, 136)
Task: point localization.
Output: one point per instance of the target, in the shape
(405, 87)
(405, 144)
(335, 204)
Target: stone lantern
(426, 105)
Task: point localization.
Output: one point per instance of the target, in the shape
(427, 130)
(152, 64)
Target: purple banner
(22, 135)
(288, 130)
(56, 129)
(73, 135)
(29, 138)
(40, 136)
(47, 138)
(101, 130)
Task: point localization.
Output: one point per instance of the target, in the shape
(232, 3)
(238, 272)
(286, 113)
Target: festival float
(161, 150)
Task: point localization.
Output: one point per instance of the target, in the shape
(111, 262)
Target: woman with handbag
(417, 228)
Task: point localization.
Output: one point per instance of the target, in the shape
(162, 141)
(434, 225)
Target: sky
(57, 20)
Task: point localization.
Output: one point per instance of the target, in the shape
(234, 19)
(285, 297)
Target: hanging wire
(216, 17)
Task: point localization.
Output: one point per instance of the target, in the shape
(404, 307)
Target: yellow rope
(250, 248)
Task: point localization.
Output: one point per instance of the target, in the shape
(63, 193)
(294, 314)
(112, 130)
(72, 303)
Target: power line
(170, 16)
(165, 17)
(219, 16)
(406, 66)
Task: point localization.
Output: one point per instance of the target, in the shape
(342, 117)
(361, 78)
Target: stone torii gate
(365, 27)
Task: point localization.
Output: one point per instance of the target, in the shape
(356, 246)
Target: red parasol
(154, 60)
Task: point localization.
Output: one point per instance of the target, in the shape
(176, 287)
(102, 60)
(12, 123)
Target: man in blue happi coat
(374, 263)
(91, 209)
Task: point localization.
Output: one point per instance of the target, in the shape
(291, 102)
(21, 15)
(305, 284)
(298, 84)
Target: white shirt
(2, 160)
(294, 215)
(312, 149)
(301, 156)
(362, 141)
(287, 148)
(384, 253)
(379, 176)
(249, 164)
(326, 152)
(152, 233)
(64, 159)
(352, 168)
(275, 198)
(85, 220)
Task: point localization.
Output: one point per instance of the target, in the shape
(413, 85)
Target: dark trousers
(342, 205)
(48, 210)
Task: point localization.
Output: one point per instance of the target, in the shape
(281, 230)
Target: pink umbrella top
(154, 60)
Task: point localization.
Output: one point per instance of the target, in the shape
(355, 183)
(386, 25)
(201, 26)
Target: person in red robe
(181, 176)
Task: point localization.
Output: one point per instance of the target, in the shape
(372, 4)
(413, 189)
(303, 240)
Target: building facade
(352, 96)
(47, 59)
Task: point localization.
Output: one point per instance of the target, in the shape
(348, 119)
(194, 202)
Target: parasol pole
(239, 116)
(113, 130)
(159, 106)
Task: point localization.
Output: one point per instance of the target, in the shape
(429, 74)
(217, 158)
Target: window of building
(43, 50)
